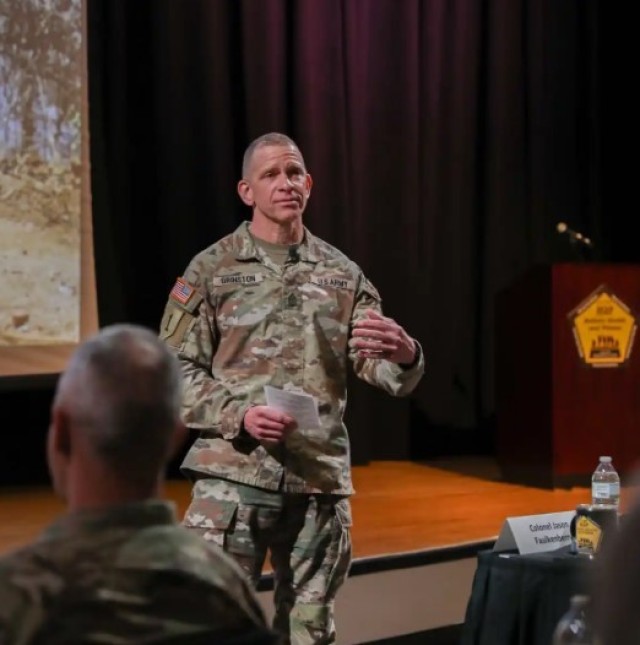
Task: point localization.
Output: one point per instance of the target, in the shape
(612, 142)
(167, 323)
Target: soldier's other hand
(377, 336)
(267, 424)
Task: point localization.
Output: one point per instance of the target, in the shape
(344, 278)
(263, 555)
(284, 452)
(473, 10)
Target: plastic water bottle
(605, 485)
(574, 628)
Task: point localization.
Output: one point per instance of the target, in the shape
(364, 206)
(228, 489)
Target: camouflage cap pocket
(210, 514)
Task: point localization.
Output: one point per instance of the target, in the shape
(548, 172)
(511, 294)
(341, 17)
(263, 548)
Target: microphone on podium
(574, 236)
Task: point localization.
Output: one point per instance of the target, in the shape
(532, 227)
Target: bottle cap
(606, 460)
(580, 600)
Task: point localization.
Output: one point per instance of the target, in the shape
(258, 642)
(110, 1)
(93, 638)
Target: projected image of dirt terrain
(39, 256)
(40, 179)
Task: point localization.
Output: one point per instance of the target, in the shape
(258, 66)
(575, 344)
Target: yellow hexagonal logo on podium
(604, 329)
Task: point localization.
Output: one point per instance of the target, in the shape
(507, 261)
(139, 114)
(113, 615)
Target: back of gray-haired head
(123, 388)
(268, 139)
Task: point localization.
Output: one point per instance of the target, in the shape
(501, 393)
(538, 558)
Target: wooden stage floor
(398, 507)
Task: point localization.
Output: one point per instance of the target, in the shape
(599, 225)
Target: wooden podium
(555, 412)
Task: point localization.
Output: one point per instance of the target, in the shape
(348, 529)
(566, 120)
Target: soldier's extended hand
(377, 336)
(268, 424)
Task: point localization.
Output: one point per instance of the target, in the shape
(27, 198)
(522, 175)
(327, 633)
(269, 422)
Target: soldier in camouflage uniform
(271, 304)
(118, 568)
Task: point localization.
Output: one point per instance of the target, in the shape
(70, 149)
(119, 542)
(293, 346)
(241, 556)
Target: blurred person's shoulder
(165, 558)
(28, 581)
(174, 548)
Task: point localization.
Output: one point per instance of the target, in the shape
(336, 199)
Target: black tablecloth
(519, 599)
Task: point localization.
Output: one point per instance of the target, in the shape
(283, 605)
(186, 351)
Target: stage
(417, 529)
(398, 506)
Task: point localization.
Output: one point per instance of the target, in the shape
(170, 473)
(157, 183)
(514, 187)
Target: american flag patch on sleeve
(181, 291)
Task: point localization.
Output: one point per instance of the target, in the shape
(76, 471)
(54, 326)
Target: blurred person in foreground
(116, 568)
(615, 585)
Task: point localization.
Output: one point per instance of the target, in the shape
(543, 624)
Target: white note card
(301, 406)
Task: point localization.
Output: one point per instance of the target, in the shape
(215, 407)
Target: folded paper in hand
(301, 406)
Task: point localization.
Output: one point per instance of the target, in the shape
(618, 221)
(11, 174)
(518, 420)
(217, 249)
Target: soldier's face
(277, 186)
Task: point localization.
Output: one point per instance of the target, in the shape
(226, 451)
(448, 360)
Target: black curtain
(446, 139)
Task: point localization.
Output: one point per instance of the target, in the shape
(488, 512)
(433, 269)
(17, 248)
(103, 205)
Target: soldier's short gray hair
(123, 387)
(269, 139)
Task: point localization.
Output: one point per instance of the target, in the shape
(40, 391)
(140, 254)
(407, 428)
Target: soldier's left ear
(60, 432)
(308, 184)
(59, 451)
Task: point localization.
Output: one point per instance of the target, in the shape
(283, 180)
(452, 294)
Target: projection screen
(47, 284)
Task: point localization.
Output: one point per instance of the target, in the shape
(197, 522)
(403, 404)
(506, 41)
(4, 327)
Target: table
(519, 599)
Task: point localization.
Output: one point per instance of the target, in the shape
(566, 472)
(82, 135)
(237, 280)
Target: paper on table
(302, 407)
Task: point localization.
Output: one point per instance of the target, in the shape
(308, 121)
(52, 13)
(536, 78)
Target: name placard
(535, 533)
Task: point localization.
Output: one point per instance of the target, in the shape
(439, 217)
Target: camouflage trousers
(307, 536)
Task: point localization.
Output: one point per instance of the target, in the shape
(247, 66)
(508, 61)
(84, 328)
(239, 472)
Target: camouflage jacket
(238, 322)
(124, 575)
